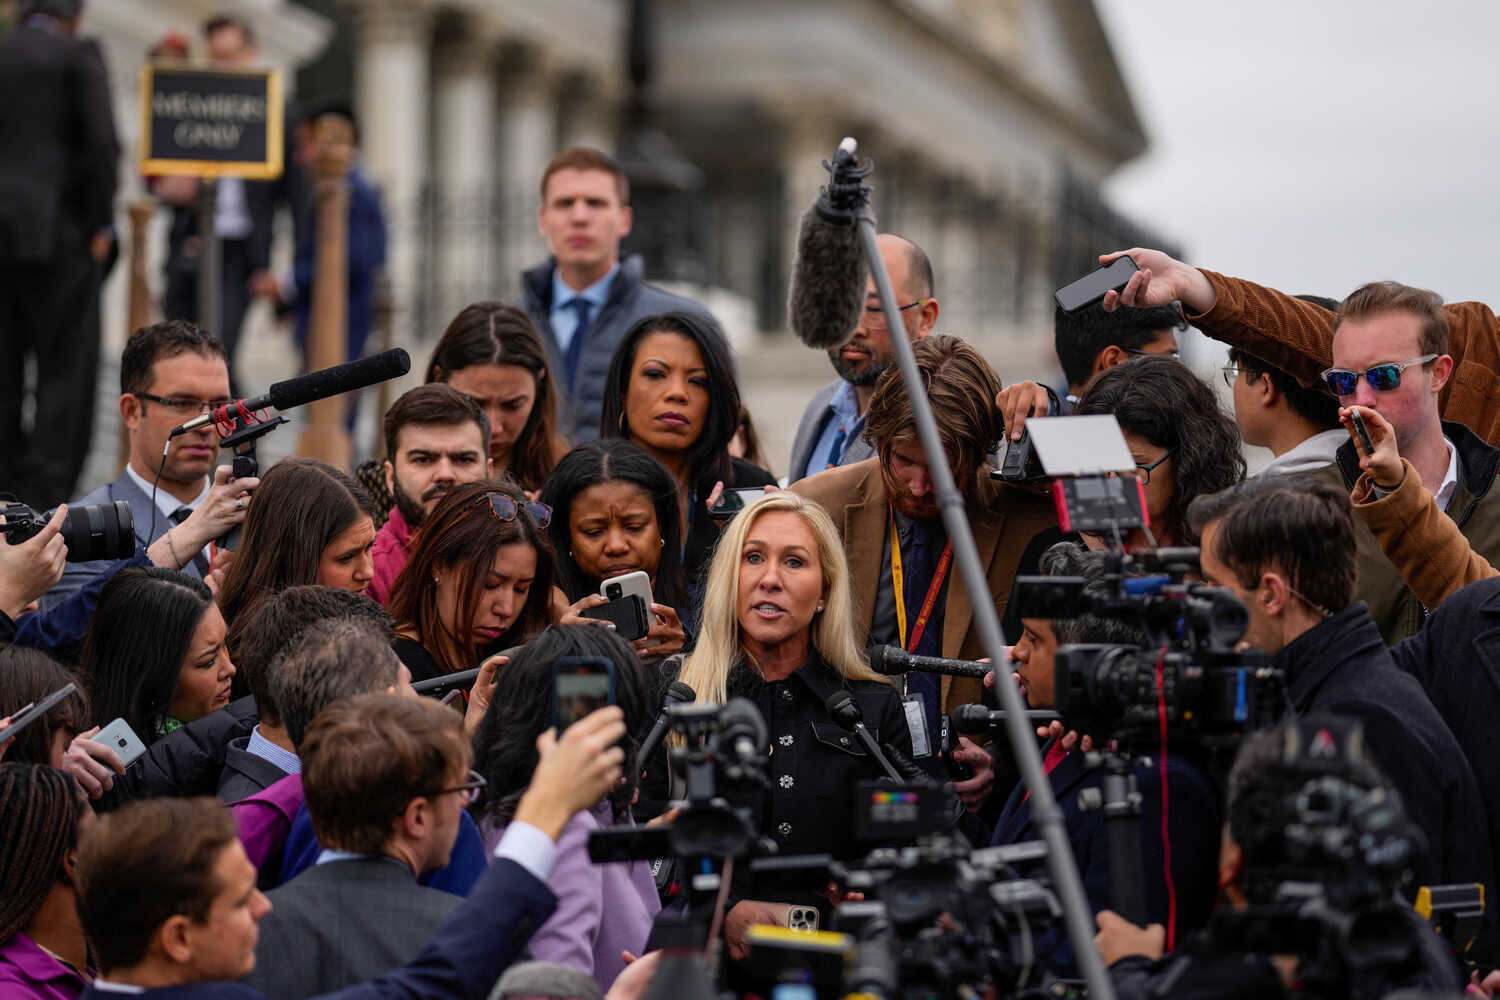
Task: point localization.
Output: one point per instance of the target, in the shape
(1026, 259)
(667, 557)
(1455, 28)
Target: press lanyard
(898, 584)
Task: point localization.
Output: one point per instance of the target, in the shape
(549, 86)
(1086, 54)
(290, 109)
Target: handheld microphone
(676, 695)
(826, 295)
(971, 719)
(891, 660)
(320, 384)
(845, 711)
(742, 730)
(438, 686)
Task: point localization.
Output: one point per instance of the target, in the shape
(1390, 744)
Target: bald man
(831, 429)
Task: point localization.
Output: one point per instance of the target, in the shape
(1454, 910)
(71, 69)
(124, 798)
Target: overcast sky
(1313, 146)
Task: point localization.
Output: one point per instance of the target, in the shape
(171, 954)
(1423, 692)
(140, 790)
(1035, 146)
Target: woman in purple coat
(602, 910)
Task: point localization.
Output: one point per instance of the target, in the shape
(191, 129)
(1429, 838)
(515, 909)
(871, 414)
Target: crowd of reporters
(368, 841)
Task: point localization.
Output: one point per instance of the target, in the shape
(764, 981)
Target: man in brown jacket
(908, 590)
(1394, 350)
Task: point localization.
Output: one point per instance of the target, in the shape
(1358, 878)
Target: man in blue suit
(169, 902)
(169, 373)
(1190, 800)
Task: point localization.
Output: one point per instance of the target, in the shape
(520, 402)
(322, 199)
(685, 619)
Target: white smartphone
(120, 738)
(637, 583)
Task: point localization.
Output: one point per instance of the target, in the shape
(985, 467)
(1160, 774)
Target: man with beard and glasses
(899, 555)
(831, 432)
(431, 446)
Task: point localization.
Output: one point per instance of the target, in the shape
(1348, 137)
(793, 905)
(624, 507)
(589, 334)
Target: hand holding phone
(1375, 443)
(580, 685)
(28, 714)
(1091, 288)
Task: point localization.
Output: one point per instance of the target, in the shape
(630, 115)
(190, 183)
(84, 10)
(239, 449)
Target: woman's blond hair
(834, 636)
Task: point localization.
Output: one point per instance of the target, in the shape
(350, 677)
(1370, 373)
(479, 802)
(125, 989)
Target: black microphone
(845, 711)
(439, 686)
(742, 729)
(826, 295)
(971, 719)
(320, 384)
(891, 660)
(676, 695)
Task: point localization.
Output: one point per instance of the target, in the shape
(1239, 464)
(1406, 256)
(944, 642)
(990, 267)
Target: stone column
(587, 114)
(391, 70)
(527, 140)
(464, 111)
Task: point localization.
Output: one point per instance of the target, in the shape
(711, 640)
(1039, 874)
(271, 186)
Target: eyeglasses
(1144, 471)
(185, 405)
(1174, 355)
(470, 788)
(1231, 372)
(1382, 378)
(875, 316)
(504, 509)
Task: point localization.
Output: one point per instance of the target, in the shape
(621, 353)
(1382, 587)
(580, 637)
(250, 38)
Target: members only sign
(211, 122)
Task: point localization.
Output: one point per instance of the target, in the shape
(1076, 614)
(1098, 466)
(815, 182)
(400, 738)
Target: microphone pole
(1044, 810)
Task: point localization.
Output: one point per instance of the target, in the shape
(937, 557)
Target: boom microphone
(893, 660)
(826, 297)
(320, 384)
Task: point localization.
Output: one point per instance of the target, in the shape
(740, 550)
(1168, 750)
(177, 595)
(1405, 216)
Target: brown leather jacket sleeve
(1423, 543)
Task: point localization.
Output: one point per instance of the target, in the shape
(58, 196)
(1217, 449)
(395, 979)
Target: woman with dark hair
(605, 909)
(614, 511)
(671, 389)
(479, 580)
(43, 950)
(27, 676)
(494, 355)
(155, 653)
(310, 523)
(1184, 445)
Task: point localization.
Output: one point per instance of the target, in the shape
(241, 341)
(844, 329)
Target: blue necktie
(836, 450)
(581, 306)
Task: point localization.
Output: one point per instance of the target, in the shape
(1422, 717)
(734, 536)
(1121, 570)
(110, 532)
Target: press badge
(916, 721)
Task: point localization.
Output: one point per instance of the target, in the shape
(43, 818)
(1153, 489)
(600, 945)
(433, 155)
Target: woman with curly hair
(1184, 445)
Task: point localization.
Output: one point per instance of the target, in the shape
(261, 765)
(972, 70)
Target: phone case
(628, 614)
(637, 583)
(120, 738)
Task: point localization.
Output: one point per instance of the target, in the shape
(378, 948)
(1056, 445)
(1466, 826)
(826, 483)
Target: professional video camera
(1188, 672)
(1332, 897)
(722, 749)
(99, 531)
(937, 919)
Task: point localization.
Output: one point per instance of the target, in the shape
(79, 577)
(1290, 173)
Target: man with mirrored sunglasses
(1390, 353)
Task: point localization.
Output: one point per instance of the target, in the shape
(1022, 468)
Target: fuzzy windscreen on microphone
(827, 296)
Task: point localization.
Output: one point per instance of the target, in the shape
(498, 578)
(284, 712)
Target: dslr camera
(99, 531)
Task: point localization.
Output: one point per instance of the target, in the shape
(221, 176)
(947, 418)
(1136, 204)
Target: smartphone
(637, 583)
(120, 738)
(629, 614)
(580, 685)
(1091, 287)
(947, 743)
(731, 502)
(30, 713)
(1364, 434)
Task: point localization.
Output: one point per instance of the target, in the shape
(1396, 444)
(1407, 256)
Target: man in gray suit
(585, 296)
(169, 373)
(831, 432)
(386, 780)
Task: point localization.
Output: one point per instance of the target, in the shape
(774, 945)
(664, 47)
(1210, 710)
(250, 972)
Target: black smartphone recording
(1091, 287)
(628, 613)
(580, 685)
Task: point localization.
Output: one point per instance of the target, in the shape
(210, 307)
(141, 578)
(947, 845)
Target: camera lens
(101, 531)
(614, 591)
(122, 741)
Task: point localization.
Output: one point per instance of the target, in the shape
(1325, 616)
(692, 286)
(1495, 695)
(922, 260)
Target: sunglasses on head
(1382, 378)
(504, 508)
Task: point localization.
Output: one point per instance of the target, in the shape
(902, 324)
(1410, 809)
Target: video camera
(97, 531)
(721, 749)
(1188, 671)
(1331, 898)
(937, 919)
